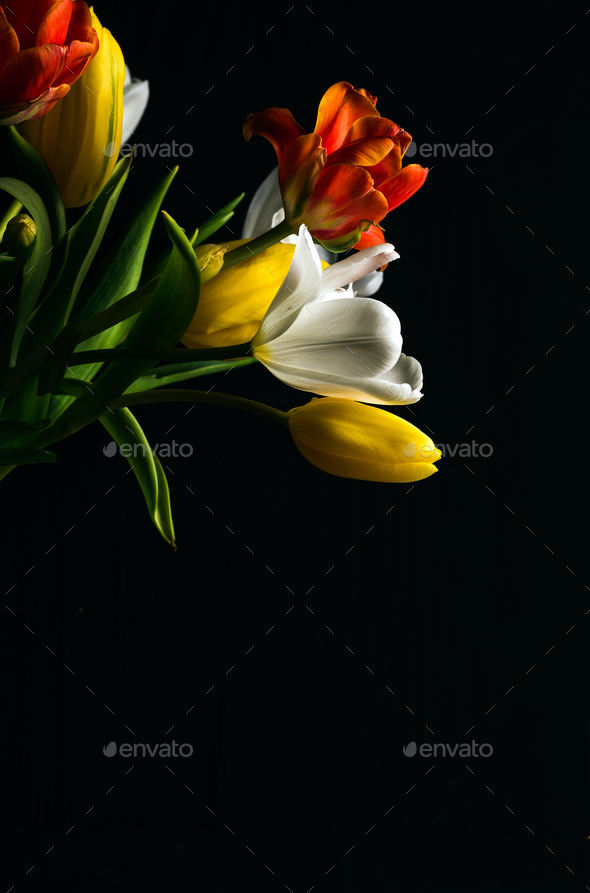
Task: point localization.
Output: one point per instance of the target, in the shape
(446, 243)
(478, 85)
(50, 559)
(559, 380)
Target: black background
(309, 627)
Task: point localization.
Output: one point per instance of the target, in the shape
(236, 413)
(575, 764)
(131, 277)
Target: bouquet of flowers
(83, 342)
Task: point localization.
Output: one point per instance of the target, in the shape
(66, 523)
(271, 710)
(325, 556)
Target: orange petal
(81, 27)
(339, 107)
(343, 197)
(389, 167)
(399, 189)
(299, 168)
(368, 95)
(373, 236)
(9, 45)
(276, 125)
(79, 55)
(370, 126)
(54, 25)
(364, 152)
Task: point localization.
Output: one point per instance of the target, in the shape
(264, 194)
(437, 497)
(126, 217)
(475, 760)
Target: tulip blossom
(266, 211)
(80, 138)
(232, 305)
(344, 177)
(352, 440)
(44, 47)
(318, 336)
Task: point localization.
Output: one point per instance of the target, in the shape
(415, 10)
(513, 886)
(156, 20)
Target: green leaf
(55, 363)
(183, 371)
(34, 171)
(12, 429)
(156, 267)
(83, 241)
(218, 219)
(159, 326)
(35, 271)
(26, 456)
(125, 429)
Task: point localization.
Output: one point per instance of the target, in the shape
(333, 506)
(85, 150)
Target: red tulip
(344, 177)
(45, 45)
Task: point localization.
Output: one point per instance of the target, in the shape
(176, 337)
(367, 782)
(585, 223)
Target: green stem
(274, 235)
(14, 208)
(182, 395)
(233, 352)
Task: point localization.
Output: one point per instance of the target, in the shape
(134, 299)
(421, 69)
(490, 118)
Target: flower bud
(20, 236)
(353, 440)
(210, 259)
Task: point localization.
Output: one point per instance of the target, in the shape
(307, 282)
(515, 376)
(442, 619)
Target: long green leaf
(160, 325)
(83, 242)
(26, 456)
(125, 429)
(35, 270)
(206, 367)
(218, 219)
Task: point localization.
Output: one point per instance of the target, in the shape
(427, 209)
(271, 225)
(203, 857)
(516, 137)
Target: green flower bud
(20, 236)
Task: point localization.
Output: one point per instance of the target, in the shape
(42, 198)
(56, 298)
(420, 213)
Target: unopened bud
(210, 259)
(20, 236)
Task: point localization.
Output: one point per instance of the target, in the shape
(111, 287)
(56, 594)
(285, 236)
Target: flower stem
(180, 354)
(185, 395)
(274, 235)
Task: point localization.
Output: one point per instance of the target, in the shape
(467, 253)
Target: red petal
(29, 73)
(368, 95)
(19, 16)
(299, 168)
(8, 40)
(343, 197)
(364, 152)
(276, 125)
(339, 107)
(399, 189)
(81, 27)
(31, 28)
(78, 56)
(54, 25)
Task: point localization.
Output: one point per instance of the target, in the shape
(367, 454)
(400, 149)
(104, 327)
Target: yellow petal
(233, 303)
(80, 137)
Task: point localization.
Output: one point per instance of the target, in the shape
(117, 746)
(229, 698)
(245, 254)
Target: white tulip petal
(266, 202)
(349, 336)
(406, 370)
(135, 99)
(127, 80)
(301, 286)
(357, 265)
(365, 390)
(369, 285)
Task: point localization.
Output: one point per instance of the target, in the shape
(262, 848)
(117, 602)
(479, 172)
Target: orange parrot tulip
(345, 176)
(45, 45)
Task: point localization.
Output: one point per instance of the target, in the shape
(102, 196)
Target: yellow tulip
(232, 305)
(353, 440)
(80, 137)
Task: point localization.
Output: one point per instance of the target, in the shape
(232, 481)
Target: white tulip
(317, 336)
(136, 94)
(266, 210)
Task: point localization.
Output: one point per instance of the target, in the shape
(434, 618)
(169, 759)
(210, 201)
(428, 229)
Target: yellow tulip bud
(19, 236)
(353, 440)
(232, 305)
(210, 259)
(80, 137)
